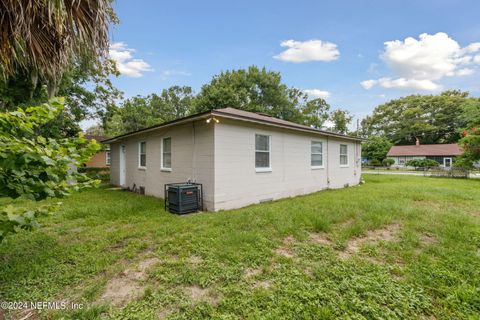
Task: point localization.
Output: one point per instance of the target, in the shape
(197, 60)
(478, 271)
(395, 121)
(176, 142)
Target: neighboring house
(102, 158)
(442, 153)
(240, 157)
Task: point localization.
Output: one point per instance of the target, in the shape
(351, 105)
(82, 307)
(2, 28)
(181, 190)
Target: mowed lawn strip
(395, 247)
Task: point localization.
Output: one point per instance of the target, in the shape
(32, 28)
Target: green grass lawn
(395, 247)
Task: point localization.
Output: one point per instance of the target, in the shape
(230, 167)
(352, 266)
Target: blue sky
(356, 54)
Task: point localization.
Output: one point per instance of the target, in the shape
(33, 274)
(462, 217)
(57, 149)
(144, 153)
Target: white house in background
(442, 153)
(240, 157)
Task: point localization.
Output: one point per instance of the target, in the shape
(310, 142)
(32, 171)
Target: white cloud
(401, 83)
(310, 50)
(477, 59)
(173, 73)
(368, 84)
(126, 64)
(464, 72)
(317, 93)
(420, 64)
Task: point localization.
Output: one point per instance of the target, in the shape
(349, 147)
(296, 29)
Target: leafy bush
(96, 173)
(388, 162)
(375, 162)
(422, 163)
(35, 167)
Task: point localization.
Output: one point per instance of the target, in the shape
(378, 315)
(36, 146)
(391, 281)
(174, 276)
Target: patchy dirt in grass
(195, 260)
(199, 294)
(475, 213)
(22, 315)
(164, 313)
(345, 224)
(285, 249)
(265, 284)
(354, 245)
(128, 284)
(427, 204)
(252, 272)
(320, 238)
(427, 239)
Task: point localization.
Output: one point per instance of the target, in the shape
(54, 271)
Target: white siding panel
(238, 184)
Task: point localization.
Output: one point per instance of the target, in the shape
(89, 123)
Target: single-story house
(102, 158)
(442, 153)
(240, 157)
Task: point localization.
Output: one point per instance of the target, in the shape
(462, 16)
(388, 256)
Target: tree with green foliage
(141, 112)
(57, 48)
(430, 118)
(340, 119)
(315, 112)
(376, 147)
(252, 89)
(35, 167)
(87, 89)
(470, 141)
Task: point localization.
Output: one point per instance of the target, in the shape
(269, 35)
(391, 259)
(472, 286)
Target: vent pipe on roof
(417, 142)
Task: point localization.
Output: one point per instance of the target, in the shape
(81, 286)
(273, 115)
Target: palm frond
(43, 36)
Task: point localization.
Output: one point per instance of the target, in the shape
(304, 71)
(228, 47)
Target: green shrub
(375, 162)
(422, 163)
(97, 173)
(93, 169)
(388, 162)
(35, 167)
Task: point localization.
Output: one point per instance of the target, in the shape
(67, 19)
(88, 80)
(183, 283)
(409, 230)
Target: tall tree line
(253, 89)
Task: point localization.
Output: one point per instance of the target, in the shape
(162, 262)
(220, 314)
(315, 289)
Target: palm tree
(41, 37)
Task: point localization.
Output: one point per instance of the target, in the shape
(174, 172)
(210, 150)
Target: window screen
(167, 153)
(343, 155)
(316, 159)
(262, 151)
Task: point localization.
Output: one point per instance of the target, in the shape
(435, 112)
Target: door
(122, 166)
(447, 162)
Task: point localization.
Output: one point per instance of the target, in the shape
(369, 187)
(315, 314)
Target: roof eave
(216, 112)
(292, 127)
(194, 117)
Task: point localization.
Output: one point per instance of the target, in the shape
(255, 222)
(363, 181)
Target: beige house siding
(190, 161)
(238, 184)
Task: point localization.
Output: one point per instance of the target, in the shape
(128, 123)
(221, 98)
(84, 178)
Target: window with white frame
(142, 155)
(262, 152)
(316, 155)
(167, 154)
(343, 155)
(108, 158)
